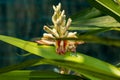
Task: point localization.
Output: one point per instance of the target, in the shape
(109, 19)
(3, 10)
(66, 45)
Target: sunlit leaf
(107, 6)
(81, 63)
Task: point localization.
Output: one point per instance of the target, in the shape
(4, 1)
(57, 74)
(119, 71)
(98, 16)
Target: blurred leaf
(92, 32)
(19, 65)
(85, 65)
(107, 6)
(36, 75)
(100, 40)
(86, 14)
(81, 69)
(95, 39)
(95, 24)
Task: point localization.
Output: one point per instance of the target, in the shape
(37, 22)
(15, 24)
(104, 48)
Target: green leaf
(100, 40)
(19, 65)
(95, 39)
(36, 75)
(95, 24)
(109, 7)
(93, 75)
(86, 14)
(81, 63)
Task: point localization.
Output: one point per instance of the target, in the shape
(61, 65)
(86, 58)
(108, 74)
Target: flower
(59, 30)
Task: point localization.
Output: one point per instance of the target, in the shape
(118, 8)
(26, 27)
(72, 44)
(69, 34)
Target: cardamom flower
(60, 30)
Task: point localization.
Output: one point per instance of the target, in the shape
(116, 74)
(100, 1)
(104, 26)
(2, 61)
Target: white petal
(54, 7)
(68, 23)
(45, 42)
(72, 35)
(46, 35)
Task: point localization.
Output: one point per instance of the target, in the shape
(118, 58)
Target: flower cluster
(59, 30)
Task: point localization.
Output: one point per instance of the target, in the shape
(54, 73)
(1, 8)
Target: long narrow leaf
(95, 39)
(19, 66)
(95, 23)
(82, 61)
(36, 75)
(93, 75)
(107, 6)
(86, 14)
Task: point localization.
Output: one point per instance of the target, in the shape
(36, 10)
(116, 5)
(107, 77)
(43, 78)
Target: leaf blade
(82, 61)
(108, 7)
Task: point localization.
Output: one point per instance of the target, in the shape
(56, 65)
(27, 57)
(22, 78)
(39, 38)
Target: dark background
(25, 19)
